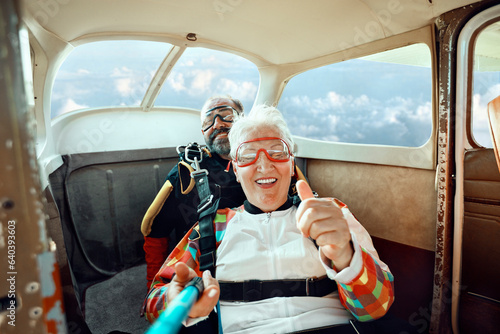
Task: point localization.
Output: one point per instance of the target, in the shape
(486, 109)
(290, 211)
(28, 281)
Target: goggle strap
(218, 107)
(235, 113)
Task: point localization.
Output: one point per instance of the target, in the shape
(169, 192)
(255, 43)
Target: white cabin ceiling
(276, 32)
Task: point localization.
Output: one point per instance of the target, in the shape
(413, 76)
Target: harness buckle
(192, 153)
(205, 204)
(308, 281)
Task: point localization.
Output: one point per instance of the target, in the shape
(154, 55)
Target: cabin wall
(397, 205)
(393, 203)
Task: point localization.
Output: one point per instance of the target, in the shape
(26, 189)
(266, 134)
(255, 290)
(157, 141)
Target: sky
(356, 101)
(362, 102)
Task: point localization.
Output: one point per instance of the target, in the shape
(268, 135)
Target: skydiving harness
(194, 155)
(207, 208)
(251, 290)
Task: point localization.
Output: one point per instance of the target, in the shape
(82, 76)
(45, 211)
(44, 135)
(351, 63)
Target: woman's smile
(266, 182)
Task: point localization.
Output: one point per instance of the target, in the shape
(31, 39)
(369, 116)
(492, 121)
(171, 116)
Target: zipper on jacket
(272, 244)
(268, 217)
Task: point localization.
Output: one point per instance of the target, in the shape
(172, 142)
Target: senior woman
(281, 267)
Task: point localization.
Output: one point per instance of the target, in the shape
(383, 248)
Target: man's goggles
(226, 114)
(276, 149)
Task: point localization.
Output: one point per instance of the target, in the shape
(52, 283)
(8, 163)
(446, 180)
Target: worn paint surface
(51, 292)
(449, 26)
(32, 269)
(440, 316)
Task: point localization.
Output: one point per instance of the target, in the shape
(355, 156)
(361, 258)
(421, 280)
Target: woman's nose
(263, 161)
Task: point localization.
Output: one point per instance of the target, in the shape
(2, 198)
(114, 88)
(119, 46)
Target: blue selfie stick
(170, 321)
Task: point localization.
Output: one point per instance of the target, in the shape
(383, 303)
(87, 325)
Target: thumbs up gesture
(322, 220)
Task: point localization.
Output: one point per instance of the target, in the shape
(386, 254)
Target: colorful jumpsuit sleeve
(187, 251)
(366, 287)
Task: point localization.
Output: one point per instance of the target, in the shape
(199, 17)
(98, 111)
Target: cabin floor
(108, 304)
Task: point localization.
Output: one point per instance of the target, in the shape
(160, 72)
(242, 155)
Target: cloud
(124, 86)
(480, 103)
(176, 82)
(359, 119)
(335, 100)
(202, 81)
(333, 122)
(82, 71)
(72, 74)
(129, 83)
(61, 92)
(480, 121)
(424, 111)
(361, 101)
(121, 72)
(70, 105)
(245, 90)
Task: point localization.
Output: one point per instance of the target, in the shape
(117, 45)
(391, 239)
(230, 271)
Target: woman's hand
(209, 298)
(322, 220)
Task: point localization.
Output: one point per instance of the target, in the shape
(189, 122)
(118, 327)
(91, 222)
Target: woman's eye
(247, 157)
(277, 155)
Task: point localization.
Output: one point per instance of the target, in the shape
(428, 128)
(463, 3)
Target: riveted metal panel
(30, 289)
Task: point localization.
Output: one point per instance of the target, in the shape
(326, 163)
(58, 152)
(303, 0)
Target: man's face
(216, 136)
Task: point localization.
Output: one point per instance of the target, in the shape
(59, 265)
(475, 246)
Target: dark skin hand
(209, 298)
(322, 220)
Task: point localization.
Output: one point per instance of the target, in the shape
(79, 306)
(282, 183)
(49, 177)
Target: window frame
(375, 78)
(422, 157)
(470, 46)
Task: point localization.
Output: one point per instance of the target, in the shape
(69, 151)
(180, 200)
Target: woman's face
(265, 182)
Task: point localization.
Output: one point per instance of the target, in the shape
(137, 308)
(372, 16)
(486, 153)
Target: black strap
(203, 187)
(194, 154)
(207, 238)
(337, 329)
(207, 207)
(254, 290)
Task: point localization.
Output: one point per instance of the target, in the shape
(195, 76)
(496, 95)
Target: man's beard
(220, 146)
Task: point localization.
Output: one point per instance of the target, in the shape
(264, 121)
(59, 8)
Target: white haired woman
(281, 267)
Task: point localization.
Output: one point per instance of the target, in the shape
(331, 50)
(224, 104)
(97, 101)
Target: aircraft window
(103, 74)
(486, 81)
(201, 73)
(383, 99)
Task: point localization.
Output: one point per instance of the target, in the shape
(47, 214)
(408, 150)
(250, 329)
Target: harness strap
(207, 238)
(253, 290)
(337, 329)
(193, 153)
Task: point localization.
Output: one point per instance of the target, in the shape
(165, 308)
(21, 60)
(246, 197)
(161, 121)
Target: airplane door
(476, 292)
(30, 292)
